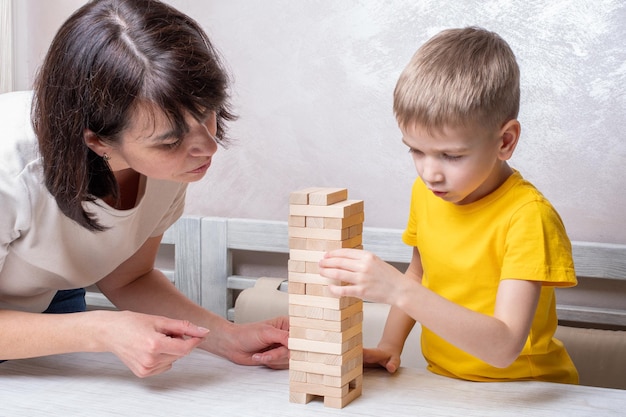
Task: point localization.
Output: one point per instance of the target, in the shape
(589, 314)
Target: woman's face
(151, 147)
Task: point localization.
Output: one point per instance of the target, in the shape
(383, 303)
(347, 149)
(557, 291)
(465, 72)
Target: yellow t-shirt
(512, 233)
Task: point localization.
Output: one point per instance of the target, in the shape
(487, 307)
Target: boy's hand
(366, 275)
(379, 357)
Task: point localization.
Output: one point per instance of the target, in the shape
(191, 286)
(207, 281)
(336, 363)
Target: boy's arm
(496, 339)
(397, 327)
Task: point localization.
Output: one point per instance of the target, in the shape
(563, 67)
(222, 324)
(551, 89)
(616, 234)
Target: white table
(204, 385)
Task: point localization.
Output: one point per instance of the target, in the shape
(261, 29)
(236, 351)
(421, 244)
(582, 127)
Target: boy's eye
(452, 157)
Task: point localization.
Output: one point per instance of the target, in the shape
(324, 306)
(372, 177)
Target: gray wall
(313, 85)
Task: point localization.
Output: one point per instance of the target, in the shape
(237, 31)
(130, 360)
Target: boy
(488, 248)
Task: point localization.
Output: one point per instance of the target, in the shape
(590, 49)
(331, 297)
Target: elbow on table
(501, 363)
(503, 358)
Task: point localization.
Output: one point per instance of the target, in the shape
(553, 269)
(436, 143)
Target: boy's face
(459, 165)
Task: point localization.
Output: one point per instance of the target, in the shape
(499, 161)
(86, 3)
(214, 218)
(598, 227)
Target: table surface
(98, 384)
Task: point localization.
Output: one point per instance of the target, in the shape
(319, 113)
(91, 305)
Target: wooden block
(318, 389)
(306, 255)
(312, 267)
(328, 196)
(328, 359)
(328, 245)
(297, 311)
(300, 397)
(316, 322)
(355, 390)
(356, 230)
(297, 243)
(325, 335)
(354, 208)
(313, 378)
(312, 233)
(344, 208)
(314, 222)
(339, 315)
(320, 244)
(296, 276)
(296, 288)
(324, 302)
(325, 347)
(334, 369)
(302, 196)
(297, 221)
(299, 376)
(297, 332)
(344, 222)
(343, 379)
(298, 355)
(296, 266)
(319, 290)
(331, 315)
(321, 318)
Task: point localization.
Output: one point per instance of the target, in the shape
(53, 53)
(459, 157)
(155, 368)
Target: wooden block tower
(325, 336)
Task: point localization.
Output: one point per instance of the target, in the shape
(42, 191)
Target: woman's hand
(149, 345)
(258, 343)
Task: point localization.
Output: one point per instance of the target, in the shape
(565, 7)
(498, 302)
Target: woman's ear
(509, 136)
(94, 143)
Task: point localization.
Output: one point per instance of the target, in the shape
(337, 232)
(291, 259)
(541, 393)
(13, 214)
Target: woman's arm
(136, 285)
(497, 340)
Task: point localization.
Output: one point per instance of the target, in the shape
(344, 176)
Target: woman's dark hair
(106, 59)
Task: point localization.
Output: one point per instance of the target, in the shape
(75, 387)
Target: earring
(106, 157)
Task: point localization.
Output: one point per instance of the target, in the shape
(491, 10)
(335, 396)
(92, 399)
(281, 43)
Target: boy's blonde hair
(460, 77)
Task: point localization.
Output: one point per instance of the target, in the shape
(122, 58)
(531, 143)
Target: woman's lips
(201, 169)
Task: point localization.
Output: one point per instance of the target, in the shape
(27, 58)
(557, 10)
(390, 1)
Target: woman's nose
(203, 143)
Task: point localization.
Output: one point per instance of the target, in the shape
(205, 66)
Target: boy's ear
(509, 136)
(94, 143)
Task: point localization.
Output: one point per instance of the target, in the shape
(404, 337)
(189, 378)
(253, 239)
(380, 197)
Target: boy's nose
(431, 172)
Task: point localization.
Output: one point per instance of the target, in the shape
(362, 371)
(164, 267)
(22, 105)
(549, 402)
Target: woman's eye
(173, 145)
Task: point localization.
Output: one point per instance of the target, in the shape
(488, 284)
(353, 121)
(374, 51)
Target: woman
(129, 106)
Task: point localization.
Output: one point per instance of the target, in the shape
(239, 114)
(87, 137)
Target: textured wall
(313, 83)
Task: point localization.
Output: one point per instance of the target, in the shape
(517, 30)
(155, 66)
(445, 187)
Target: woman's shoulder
(18, 143)
(18, 193)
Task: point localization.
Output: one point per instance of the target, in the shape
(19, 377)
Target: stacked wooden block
(325, 336)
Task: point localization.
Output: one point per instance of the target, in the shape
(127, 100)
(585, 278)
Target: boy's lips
(439, 193)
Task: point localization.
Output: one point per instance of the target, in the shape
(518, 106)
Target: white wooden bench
(222, 236)
(197, 256)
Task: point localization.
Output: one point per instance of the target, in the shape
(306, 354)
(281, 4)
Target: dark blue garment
(67, 301)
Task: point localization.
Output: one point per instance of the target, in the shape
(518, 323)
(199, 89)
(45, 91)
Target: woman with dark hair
(129, 106)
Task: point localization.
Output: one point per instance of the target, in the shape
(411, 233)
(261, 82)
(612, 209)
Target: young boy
(488, 248)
